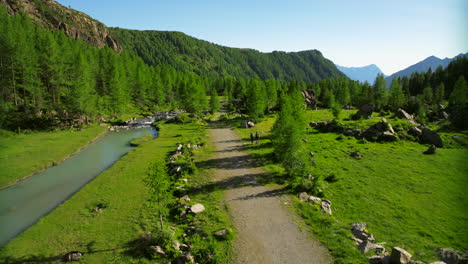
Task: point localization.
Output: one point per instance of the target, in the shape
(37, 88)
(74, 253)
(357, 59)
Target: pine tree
(396, 98)
(214, 101)
(380, 92)
(459, 95)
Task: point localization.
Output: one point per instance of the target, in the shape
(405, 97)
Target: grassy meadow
(414, 201)
(24, 154)
(110, 236)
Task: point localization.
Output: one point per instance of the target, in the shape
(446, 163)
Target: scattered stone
(415, 131)
(444, 115)
(185, 247)
(399, 256)
(304, 140)
(248, 124)
(431, 150)
(184, 199)
(356, 240)
(359, 233)
(326, 206)
(416, 262)
(185, 180)
(365, 111)
(359, 226)
(179, 148)
(73, 256)
(438, 262)
(311, 154)
(379, 249)
(366, 246)
(176, 245)
(303, 196)
(188, 258)
(221, 233)
(431, 137)
(313, 124)
(314, 199)
(198, 208)
(157, 250)
(356, 155)
(309, 98)
(403, 114)
(452, 256)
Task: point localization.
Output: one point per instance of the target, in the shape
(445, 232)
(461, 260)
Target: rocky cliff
(57, 17)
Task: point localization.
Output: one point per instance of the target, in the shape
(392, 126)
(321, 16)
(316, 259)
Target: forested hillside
(189, 54)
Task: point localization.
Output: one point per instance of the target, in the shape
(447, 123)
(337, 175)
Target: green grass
(414, 201)
(24, 154)
(107, 236)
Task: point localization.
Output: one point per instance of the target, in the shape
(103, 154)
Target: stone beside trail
(266, 230)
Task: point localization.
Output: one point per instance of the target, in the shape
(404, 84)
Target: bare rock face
(74, 24)
(309, 98)
(399, 256)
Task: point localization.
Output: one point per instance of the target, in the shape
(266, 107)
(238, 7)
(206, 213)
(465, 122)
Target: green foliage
(459, 95)
(380, 92)
(159, 183)
(188, 54)
(397, 97)
(214, 101)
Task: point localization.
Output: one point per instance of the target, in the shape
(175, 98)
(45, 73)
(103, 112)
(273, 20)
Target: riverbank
(24, 155)
(121, 195)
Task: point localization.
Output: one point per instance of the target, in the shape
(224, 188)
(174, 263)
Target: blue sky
(392, 34)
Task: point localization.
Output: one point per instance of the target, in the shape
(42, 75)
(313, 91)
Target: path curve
(266, 230)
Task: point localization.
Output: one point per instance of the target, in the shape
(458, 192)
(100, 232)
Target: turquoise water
(22, 204)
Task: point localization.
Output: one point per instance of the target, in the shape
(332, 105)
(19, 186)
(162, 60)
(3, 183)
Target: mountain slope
(362, 74)
(54, 16)
(189, 54)
(423, 66)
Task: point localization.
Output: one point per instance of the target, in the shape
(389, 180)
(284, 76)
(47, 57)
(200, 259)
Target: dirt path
(266, 230)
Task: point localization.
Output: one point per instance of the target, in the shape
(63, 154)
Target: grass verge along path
(25, 154)
(410, 200)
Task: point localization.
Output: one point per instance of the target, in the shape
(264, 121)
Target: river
(22, 204)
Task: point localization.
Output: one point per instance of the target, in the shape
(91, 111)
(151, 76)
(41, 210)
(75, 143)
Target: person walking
(257, 138)
(252, 137)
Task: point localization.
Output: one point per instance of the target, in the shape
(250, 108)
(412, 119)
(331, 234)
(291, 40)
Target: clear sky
(393, 34)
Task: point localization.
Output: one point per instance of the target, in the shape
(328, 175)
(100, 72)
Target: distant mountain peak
(431, 62)
(365, 73)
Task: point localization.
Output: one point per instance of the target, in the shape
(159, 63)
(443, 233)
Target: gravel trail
(267, 232)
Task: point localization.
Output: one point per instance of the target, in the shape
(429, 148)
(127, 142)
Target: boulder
(357, 241)
(431, 137)
(363, 235)
(399, 256)
(326, 206)
(415, 131)
(73, 256)
(376, 259)
(388, 136)
(314, 199)
(403, 114)
(431, 150)
(366, 246)
(303, 196)
(452, 256)
(198, 208)
(157, 250)
(311, 154)
(359, 226)
(365, 111)
(386, 126)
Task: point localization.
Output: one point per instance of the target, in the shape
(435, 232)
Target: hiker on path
(257, 138)
(252, 137)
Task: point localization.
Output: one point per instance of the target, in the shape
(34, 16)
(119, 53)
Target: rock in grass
(420, 262)
(314, 199)
(431, 137)
(303, 196)
(431, 150)
(184, 199)
(376, 259)
(326, 206)
(388, 136)
(359, 226)
(157, 250)
(403, 114)
(452, 256)
(438, 262)
(356, 155)
(415, 131)
(221, 233)
(198, 208)
(73, 256)
(399, 256)
(176, 245)
(365, 112)
(366, 246)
